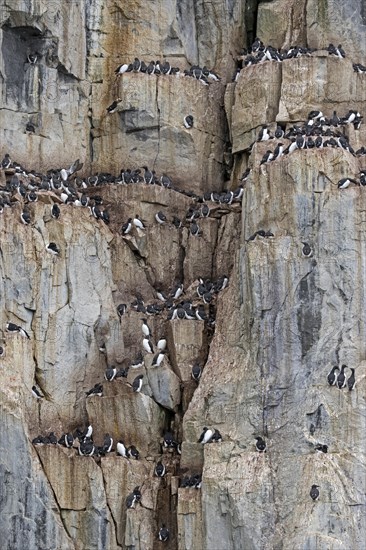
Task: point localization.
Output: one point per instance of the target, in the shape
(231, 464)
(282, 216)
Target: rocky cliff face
(281, 324)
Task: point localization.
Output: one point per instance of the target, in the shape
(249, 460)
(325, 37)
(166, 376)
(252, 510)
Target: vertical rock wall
(281, 324)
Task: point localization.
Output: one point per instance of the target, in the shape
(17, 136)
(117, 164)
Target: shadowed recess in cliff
(308, 313)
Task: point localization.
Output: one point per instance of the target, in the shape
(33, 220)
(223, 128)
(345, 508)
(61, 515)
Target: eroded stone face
(281, 324)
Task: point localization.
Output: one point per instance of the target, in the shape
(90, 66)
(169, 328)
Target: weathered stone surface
(79, 490)
(199, 250)
(319, 81)
(121, 477)
(66, 94)
(259, 85)
(189, 519)
(30, 516)
(187, 342)
(282, 23)
(281, 324)
(290, 339)
(148, 129)
(165, 386)
(316, 23)
(133, 417)
(337, 22)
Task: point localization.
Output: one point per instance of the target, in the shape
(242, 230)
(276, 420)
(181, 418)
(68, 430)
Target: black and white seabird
(126, 227)
(351, 380)
(107, 444)
(97, 390)
(279, 133)
(345, 182)
(201, 314)
(306, 250)
(177, 291)
(6, 162)
(166, 181)
(267, 157)
(314, 493)
(177, 222)
(121, 310)
(145, 328)
(196, 372)
(188, 122)
(264, 134)
(205, 436)
(110, 374)
(160, 470)
(66, 440)
(138, 362)
(53, 249)
(113, 107)
(137, 383)
(32, 58)
(124, 68)
(194, 229)
(133, 452)
(55, 211)
(2, 351)
(121, 449)
(260, 445)
(163, 533)
(148, 345)
(11, 327)
(332, 376)
(85, 433)
(86, 448)
(341, 379)
(37, 392)
(131, 501)
(122, 373)
(138, 223)
(168, 440)
(321, 448)
(161, 344)
(25, 217)
(158, 359)
(52, 438)
(217, 437)
(160, 217)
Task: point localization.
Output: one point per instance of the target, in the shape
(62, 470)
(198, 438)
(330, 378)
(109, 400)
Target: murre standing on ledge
(137, 383)
(332, 376)
(145, 328)
(110, 373)
(351, 380)
(11, 327)
(196, 372)
(314, 493)
(160, 217)
(37, 392)
(341, 379)
(346, 182)
(306, 250)
(160, 469)
(113, 107)
(163, 533)
(25, 217)
(147, 345)
(121, 449)
(188, 122)
(321, 448)
(260, 445)
(205, 436)
(53, 249)
(66, 440)
(96, 390)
